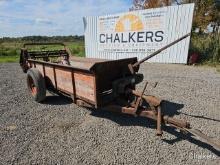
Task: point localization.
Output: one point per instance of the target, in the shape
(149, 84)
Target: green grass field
(6, 59)
(10, 51)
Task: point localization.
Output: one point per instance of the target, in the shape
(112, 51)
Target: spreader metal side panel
(77, 83)
(85, 85)
(64, 80)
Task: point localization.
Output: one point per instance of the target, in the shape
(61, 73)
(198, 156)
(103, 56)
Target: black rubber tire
(36, 84)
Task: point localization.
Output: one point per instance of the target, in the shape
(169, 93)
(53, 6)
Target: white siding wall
(178, 23)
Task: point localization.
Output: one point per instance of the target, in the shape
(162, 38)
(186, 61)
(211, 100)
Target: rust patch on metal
(64, 79)
(85, 85)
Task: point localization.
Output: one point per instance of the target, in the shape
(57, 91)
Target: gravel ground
(59, 132)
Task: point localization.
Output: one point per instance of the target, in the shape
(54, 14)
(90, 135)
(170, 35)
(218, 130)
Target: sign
(132, 32)
(139, 33)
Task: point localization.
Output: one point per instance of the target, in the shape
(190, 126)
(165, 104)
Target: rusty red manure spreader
(107, 85)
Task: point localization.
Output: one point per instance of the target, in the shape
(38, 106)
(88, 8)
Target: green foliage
(7, 51)
(77, 50)
(207, 46)
(206, 12)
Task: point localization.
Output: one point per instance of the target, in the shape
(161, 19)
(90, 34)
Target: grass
(77, 48)
(10, 51)
(7, 59)
(207, 46)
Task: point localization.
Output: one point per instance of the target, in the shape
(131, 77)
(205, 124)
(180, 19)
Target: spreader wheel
(36, 84)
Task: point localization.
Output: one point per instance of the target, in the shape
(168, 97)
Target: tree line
(43, 39)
